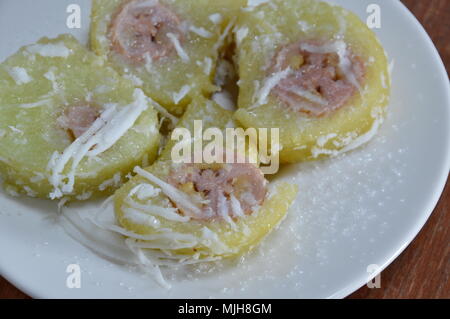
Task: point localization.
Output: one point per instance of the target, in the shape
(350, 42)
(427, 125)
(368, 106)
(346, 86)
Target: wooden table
(422, 270)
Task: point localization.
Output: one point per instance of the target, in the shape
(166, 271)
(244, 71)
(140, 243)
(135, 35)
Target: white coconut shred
(51, 50)
(20, 75)
(180, 51)
(112, 124)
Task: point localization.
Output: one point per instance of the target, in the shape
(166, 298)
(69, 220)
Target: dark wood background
(422, 270)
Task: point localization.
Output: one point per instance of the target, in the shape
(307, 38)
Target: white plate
(354, 211)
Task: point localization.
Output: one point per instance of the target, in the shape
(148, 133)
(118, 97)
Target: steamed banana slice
(313, 70)
(187, 213)
(169, 48)
(69, 125)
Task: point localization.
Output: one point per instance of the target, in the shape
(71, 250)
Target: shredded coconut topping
(180, 51)
(112, 124)
(20, 75)
(51, 50)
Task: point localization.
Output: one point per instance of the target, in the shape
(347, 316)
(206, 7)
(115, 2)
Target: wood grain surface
(423, 269)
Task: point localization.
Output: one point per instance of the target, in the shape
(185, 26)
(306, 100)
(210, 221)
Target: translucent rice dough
(313, 70)
(169, 48)
(59, 105)
(164, 209)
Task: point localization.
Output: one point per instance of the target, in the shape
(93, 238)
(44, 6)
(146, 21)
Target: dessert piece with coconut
(169, 48)
(313, 70)
(70, 126)
(175, 213)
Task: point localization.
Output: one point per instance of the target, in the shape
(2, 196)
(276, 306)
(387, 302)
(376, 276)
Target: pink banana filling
(140, 29)
(317, 84)
(78, 119)
(232, 190)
